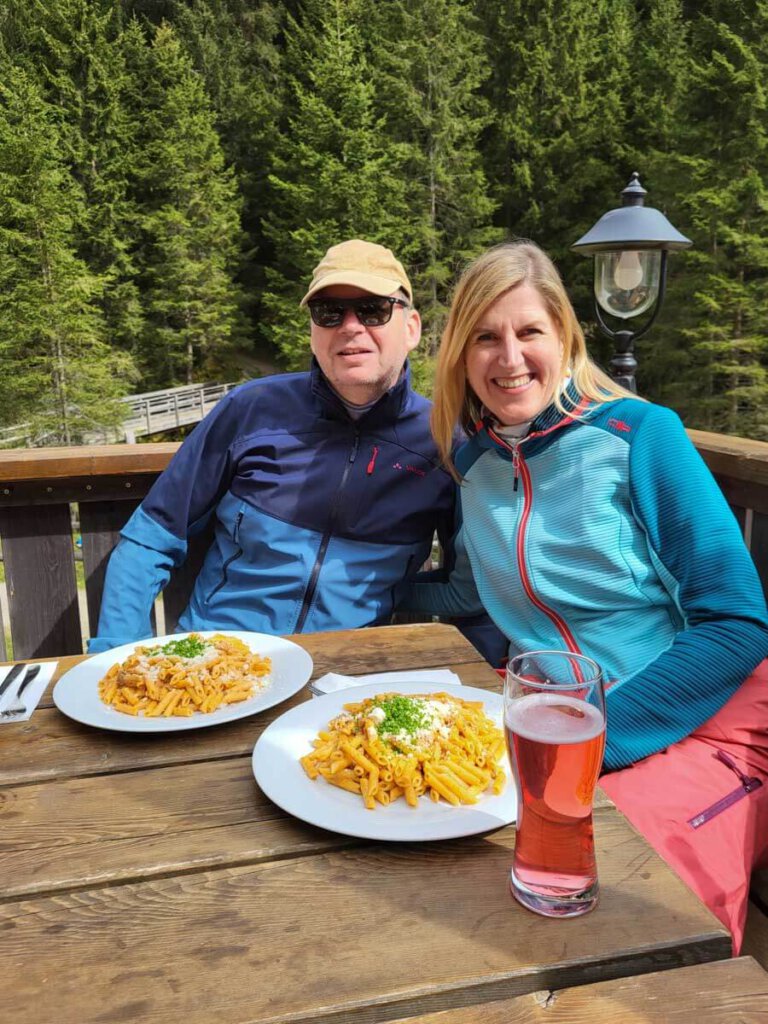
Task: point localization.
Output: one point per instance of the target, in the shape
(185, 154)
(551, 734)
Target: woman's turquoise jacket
(602, 531)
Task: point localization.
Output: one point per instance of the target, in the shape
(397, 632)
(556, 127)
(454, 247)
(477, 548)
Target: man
(324, 486)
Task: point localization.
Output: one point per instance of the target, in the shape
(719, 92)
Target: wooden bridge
(157, 411)
(150, 413)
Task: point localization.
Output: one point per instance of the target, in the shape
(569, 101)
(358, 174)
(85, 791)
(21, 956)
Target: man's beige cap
(362, 264)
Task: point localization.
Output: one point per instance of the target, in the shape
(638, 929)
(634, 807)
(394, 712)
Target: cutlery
(31, 674)
(15, 671)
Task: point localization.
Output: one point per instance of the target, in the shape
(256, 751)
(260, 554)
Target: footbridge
(152, 412)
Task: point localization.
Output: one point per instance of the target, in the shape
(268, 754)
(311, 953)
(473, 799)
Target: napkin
(31, 696)
(333, 681)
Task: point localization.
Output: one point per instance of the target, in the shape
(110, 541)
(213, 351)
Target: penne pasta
(185, 677)
(392, 746)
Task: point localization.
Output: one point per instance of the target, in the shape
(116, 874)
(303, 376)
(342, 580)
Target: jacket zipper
(748, 784)
(309, 593)
(232, 558)
(522, 472)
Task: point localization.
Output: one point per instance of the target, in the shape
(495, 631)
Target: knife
(32, 673)
(15, 671)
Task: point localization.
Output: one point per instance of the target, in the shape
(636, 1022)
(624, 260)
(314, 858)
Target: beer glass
(554, 723)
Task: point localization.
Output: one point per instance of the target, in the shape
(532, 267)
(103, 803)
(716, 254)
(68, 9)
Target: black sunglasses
(371, 311)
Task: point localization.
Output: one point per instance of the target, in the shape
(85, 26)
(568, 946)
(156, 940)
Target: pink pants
(662, 794)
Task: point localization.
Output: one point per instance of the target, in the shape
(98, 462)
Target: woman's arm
(698, 551)
(457, 595)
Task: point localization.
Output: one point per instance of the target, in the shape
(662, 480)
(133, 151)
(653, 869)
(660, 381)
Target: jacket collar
(548, 421)
(390, 406)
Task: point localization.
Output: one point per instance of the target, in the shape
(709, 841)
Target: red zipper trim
(520, 469)
(559, 623)
(749, 783)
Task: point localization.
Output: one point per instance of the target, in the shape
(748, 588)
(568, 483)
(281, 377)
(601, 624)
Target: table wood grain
(149, 879)
(726, 992)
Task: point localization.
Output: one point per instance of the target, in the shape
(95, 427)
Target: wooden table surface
(146, 878)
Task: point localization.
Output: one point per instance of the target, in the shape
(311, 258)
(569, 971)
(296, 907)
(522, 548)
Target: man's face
(361, 363)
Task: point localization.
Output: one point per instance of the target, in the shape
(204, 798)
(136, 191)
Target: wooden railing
(46, 494)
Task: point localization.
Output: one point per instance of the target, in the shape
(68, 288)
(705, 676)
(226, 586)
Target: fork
(29, 675)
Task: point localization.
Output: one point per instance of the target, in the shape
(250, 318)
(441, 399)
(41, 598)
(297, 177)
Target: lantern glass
(627, 282)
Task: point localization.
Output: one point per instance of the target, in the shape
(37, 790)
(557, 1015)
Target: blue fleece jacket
(606, 534)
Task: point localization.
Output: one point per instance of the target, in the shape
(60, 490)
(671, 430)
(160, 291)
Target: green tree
(560, 73)
(661, 67)
(233, 44)
(557, 150)
(58, 375)
(190, 227)
(337, 173)
(76, 47)
(725, 161)
(429, 63)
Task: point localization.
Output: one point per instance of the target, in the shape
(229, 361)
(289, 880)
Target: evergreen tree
(558, 145)
(429, 64)
(337, 173)
(58, 376)
(190, 226)
(76, 45)
(233, 44)
(660, 82)
(725, 162)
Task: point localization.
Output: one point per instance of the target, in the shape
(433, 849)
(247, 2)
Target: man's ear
(412, 328)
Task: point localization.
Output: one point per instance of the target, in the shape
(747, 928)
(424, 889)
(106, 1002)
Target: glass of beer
(554, 723)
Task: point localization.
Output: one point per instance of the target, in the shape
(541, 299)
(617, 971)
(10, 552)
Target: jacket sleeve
(433, 594)
(154, 539)
(697, 550)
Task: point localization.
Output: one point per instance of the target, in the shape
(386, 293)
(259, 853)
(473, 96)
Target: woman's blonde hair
(482, 282)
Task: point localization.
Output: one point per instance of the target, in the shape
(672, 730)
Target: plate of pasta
(183, 681)
(422, 762)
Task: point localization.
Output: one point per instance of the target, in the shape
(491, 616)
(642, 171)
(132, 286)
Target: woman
(589, 523)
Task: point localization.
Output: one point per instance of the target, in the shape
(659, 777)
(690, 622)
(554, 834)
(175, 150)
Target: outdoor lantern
(630, 246)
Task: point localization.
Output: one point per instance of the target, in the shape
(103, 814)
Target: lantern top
(631, 226)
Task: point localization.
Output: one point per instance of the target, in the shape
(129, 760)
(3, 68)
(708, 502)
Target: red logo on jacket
(619, 425)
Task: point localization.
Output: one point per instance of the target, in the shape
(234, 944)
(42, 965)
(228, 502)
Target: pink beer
(555, 741)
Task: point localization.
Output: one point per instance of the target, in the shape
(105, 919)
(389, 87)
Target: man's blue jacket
(319, 519)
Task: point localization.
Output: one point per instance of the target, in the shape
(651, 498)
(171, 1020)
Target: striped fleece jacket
(603, 532)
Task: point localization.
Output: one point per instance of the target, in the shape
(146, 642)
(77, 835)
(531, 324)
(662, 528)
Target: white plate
(281, 777)
(77, 692)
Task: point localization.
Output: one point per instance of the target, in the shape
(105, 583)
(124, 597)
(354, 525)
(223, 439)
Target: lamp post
(630, 246)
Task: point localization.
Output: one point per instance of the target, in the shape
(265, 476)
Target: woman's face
(513, 357)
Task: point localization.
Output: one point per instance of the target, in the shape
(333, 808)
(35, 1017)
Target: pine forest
(172, 170)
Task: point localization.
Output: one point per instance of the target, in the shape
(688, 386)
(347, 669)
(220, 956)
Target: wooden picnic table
(146, 878)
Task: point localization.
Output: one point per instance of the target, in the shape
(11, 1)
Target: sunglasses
(373, 311)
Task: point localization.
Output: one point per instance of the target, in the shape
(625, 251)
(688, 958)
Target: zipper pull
(238, 520)
(355, 446)
(748, 782)
(516, 467)
(372, 463)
